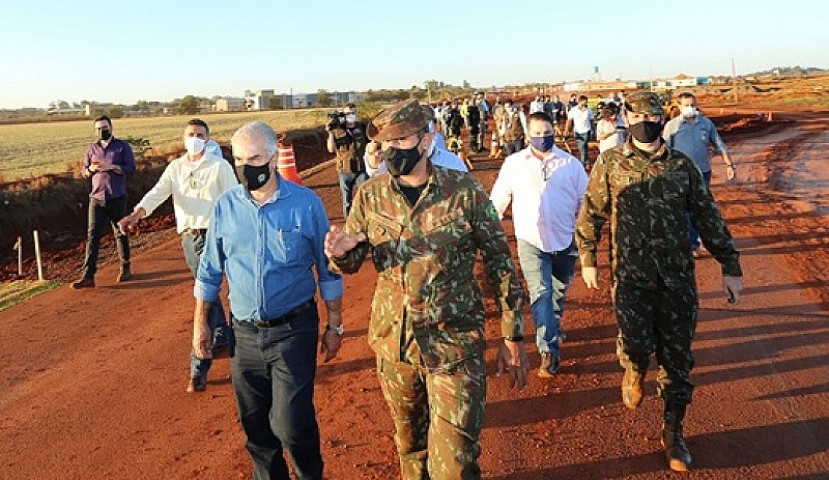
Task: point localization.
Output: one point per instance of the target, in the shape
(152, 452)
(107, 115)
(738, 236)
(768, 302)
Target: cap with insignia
(644, 102)
(397, 121)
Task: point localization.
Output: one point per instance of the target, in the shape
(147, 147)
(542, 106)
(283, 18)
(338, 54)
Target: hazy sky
(124, 51)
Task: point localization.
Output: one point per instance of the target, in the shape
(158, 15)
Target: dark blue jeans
(581, 141)
(348, 185)
(693, 235)
(273, 374)
(193, 246)
(100, 213)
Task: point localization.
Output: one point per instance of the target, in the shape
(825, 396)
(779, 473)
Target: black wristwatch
(516, 338)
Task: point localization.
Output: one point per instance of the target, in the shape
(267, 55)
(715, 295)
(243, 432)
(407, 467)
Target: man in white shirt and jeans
(580, 122)
(545, 186)
(195, 180)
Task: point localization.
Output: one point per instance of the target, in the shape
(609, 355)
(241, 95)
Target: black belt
(273, 322)
(196, 232)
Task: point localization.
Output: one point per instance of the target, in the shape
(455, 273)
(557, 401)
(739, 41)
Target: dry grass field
(33, 149)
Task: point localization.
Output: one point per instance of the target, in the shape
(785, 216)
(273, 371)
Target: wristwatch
(339, 329)
(732, 165)
(515, 338)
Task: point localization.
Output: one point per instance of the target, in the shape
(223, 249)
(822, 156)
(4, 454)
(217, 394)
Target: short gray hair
(260, 131)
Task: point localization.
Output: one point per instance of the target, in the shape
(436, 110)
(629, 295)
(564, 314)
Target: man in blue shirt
(265, 236)
(691, 133)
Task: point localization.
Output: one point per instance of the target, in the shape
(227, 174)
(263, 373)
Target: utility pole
(734, 79)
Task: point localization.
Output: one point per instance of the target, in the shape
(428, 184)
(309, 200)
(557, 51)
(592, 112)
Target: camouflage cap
(429, 112)
(644, 102)
(397, 121)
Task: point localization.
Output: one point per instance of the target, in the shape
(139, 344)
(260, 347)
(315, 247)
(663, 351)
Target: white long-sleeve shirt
(546, 196)
(195, 187)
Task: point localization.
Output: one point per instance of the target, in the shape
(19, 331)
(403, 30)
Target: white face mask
(689, 111)
(194, 145)
(351, 118)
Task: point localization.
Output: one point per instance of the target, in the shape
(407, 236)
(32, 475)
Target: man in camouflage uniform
(644, 188)
(424, 225)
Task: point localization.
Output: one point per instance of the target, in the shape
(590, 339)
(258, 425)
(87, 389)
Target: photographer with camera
(347, 139)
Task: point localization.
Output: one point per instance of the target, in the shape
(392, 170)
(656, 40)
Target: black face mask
(106, 134)
(646, 132)
(253, 177)
(401, 161)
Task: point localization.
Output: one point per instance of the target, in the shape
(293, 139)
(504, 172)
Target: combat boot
(676, 452)
(632, 388)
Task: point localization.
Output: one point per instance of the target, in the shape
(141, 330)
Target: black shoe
(549, 365)
(85, 282)
(197, 383)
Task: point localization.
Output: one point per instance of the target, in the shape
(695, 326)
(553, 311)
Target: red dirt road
(92, 383)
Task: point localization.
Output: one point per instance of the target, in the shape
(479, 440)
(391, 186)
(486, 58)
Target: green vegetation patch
(19, 291)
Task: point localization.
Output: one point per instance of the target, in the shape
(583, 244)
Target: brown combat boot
(85, 282)
(124, 274)
(632, 388)
(549, 365)
(676, 452)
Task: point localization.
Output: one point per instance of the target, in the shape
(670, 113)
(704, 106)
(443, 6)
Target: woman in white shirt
(609, 130)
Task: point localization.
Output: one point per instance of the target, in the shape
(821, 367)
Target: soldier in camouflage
(423, 225)
(644, 188)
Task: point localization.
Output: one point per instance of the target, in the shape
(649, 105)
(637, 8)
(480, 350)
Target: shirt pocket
(445, 237)
(289, 246)
(619, 182)
(673, 186)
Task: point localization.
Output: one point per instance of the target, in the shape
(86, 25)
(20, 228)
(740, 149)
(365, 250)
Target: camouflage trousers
(437, 417)
(660, 321)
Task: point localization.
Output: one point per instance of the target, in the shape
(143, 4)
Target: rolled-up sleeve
(211, 266)
(715, 139)
(330, 283)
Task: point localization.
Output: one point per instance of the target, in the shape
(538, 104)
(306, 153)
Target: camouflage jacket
(427, 302)
(646, 197)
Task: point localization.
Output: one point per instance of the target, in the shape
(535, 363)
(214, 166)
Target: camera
(337, 119)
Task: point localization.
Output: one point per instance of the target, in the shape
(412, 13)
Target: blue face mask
(542, 144)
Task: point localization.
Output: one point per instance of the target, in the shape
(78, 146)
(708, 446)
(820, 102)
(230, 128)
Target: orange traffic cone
(286, 164)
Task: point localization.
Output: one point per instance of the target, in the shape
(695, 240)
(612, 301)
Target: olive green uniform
(645, 196)
(427, 322)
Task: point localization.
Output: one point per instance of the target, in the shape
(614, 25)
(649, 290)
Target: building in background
(259, 99)
(230, 104)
